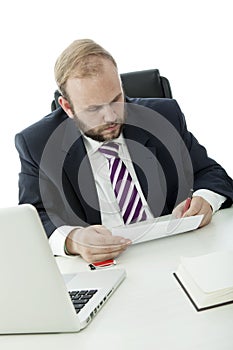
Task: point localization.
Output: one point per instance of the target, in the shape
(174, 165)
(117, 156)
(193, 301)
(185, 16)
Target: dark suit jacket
(56, 175)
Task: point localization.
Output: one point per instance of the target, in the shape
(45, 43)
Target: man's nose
(109, 114)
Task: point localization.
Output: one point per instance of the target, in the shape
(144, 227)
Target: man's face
(97, 103)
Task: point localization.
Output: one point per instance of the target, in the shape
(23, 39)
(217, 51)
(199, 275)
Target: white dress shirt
(109, 208)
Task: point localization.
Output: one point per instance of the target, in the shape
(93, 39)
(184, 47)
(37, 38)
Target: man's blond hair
(80, 59)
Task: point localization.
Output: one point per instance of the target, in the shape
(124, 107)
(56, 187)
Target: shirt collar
(92, 146)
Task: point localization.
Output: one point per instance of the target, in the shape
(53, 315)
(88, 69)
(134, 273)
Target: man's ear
(65, 106)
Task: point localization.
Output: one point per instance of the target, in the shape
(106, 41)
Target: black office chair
(145, 83)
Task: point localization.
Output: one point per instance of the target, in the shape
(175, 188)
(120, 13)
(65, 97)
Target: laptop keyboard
(81, 297)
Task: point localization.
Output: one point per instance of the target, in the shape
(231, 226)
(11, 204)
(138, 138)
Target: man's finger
(91, 254)
(104, 247)
(195, 207)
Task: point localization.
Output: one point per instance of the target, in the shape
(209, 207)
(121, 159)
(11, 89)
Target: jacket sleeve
(208, 174)
(33, 183)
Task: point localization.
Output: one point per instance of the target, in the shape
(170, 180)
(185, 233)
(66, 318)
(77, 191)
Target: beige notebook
(207, 279)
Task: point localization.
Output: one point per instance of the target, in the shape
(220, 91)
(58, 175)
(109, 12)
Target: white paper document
(156, 228)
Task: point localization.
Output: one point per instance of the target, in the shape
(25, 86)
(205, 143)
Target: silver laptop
(34, 297)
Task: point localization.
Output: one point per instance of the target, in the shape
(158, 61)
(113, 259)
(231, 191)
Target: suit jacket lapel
(78, 170)
(147, 168)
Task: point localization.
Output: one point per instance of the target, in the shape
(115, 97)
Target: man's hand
(198, 206)
(95, 243)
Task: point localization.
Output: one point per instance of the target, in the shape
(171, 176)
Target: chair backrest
(145, 83)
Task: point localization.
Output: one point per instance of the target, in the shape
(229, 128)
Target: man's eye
(94, 109)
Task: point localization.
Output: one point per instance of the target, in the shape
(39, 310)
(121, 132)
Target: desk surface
(149, 310)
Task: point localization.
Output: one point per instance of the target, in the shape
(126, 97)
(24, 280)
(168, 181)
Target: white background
(190, 42)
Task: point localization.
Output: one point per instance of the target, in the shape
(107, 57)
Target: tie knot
(109, 150)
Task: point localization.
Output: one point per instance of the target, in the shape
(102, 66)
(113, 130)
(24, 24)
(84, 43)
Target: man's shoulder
(45, 126)
(166, 107)
(158, 104)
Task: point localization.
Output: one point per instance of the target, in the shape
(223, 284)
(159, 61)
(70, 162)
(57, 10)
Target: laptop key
(84, 300)
(79, 306)
(87, 296)
(82, 292)
(92, 291)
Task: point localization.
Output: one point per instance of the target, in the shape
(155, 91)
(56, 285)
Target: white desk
(149, 310)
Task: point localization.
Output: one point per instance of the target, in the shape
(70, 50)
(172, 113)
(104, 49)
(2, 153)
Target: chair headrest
(146, 83)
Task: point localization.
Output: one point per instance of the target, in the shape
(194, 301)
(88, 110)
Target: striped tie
(125, 191)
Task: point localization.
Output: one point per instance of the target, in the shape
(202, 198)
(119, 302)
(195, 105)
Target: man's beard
(96, 133)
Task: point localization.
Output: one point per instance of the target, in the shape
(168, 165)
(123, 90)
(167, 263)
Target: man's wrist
(215, 200)
(69, 247)
(66, 250)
